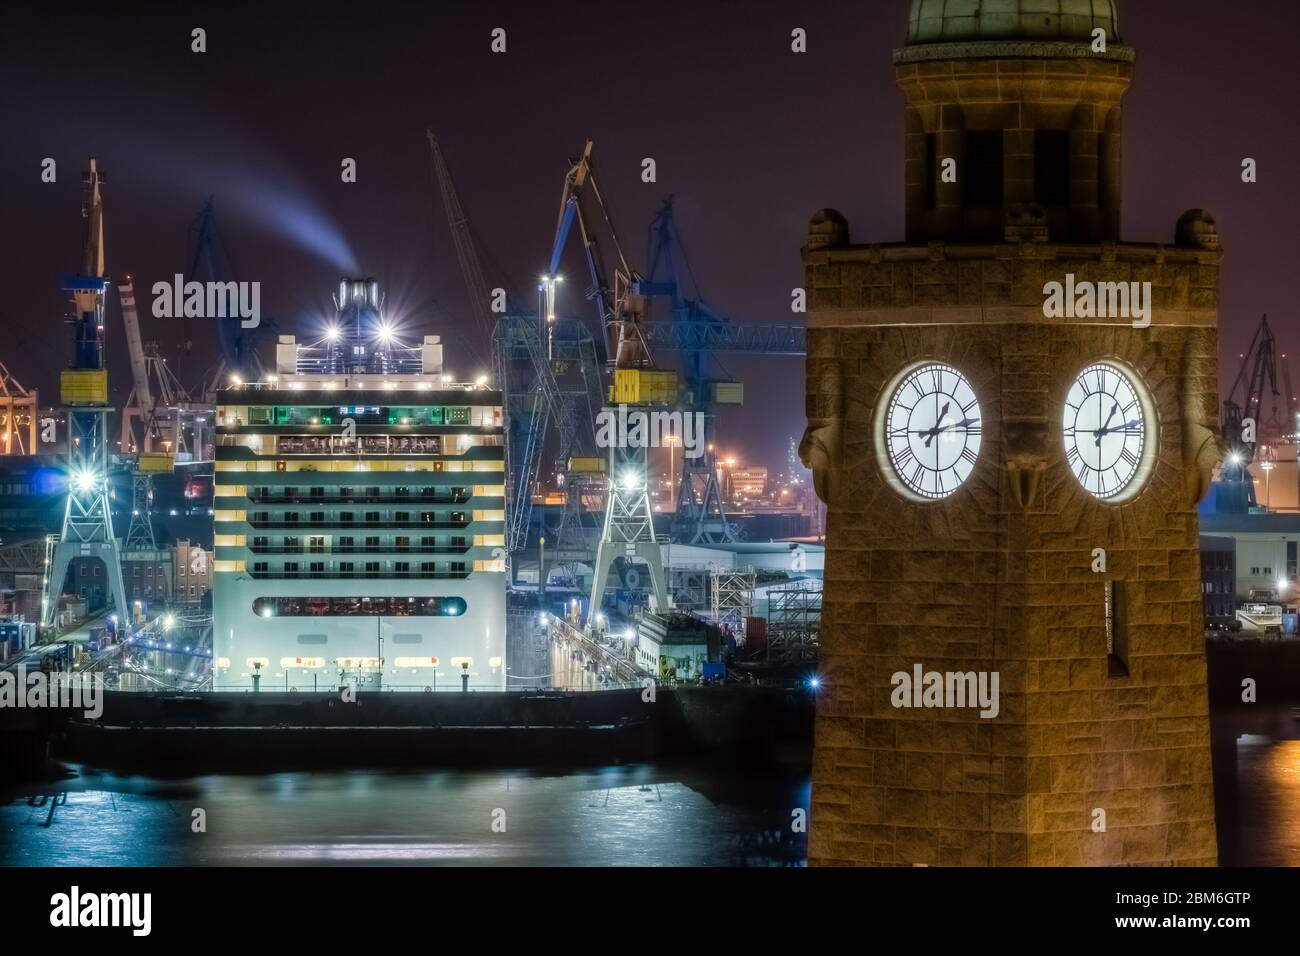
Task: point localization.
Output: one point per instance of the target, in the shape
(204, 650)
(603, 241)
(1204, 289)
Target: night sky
(751, 138)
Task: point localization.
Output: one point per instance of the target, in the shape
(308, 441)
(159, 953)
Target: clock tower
(1011, 419)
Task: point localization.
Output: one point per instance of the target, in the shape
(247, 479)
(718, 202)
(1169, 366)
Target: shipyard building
(359, 517)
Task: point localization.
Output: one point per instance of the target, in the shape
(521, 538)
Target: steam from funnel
(296, 221)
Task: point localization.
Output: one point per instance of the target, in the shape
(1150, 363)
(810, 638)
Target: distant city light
(332, 333)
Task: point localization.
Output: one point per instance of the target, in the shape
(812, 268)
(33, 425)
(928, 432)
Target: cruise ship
(359, 517)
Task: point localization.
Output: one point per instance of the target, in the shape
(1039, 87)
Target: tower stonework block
(1078, 590)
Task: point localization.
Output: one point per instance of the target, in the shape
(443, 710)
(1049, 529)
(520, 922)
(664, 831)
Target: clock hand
(965, 423)
(939, 426)
(1105, 427)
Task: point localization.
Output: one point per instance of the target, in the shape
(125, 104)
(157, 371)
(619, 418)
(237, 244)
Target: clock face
(932, 430)
(1105, 430)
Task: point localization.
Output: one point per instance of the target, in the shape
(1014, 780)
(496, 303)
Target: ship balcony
(342, 527)
(458, 496)
(282, 575)
(361, 549)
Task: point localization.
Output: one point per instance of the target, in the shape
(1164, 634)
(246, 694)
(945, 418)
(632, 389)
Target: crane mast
(141, 402)
(628, 533)
(529, 406)
(619, 304)
(1244, 426)
(470, 267)
(87, 521)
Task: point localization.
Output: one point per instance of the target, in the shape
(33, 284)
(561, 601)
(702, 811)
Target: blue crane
(699, 333)
(87, 519)
(208, 259)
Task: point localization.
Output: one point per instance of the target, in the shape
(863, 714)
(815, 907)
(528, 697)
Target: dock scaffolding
(733, 598)
(794, 616)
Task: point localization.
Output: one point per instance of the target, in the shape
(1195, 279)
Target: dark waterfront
(642, 815)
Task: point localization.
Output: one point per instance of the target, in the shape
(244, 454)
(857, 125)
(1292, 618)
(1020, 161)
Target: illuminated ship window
(350, 606)
(287, 662)
(417, 662)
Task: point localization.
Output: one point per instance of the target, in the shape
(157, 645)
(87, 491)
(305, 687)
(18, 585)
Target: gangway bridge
(611, 669)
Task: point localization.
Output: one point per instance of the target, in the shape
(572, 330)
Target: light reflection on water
(644, 815)
(1266, 830)
(641, 816)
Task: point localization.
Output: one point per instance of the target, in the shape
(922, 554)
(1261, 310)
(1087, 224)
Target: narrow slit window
(1116, 630)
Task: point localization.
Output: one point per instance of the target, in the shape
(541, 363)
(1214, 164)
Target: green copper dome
(963, 21)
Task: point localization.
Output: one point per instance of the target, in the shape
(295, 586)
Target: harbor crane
(87, 521)
(207, 256)
(159, 417)
(1247, 427)
(547, 382)
(629, 531)
(18, 414)
(698, 515)
(549, 365)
